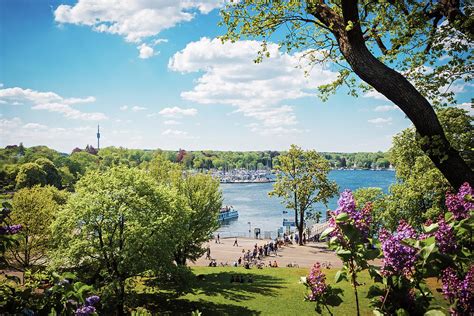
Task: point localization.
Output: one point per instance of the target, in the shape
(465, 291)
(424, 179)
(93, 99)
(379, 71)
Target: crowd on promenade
(260, 255)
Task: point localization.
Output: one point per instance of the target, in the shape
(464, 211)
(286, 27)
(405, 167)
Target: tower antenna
(98, 137)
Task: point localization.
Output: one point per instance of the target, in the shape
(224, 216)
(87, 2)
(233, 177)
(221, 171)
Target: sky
(154, 75)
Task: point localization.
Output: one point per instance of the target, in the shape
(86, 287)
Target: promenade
(303, 256)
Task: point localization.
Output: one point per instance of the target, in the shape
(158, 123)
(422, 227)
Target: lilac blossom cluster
(462, 203)
(317, 282)
(455, 288)
(88, 308)
(398, 258)
(10, 230)
(445, 238)
(361, 219)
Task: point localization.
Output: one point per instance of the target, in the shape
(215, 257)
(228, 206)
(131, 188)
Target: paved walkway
(304, 256)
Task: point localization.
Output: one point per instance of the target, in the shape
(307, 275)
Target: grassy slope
(273, 292)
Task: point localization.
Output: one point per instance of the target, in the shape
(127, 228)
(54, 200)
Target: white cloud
(35, 126)
(137, 108)
(230, 77)
(385, 108)
(171, 122)
(376, 95)
(177, 112)
(159, 41)
(177, 134)
(124, 108)
(51, 102)
(380, 121)
(145, 51)
(135, 20)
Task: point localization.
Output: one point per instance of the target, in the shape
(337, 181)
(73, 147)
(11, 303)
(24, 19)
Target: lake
(254, 205)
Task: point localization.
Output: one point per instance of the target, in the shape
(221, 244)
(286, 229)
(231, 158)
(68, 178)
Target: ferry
(228, 213)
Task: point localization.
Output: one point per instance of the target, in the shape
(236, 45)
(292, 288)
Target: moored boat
(228, 213)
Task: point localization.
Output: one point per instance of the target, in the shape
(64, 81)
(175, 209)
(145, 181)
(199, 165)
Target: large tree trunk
(400, 91)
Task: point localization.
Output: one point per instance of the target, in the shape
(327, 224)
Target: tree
(353, 35)
(302, 181)
(52, 174)
(196, 216)
(30, 174)
(199, 201)
(419, 193)
(377, 199)
(34, 209)
(114, 225)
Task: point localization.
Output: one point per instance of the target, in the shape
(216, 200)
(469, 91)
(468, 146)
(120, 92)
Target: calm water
(255, 206)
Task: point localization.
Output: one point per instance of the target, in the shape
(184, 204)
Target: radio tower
(98, 137)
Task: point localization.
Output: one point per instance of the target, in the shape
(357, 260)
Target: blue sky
(152, 74)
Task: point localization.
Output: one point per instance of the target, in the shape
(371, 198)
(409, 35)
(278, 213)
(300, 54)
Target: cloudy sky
(153, 75)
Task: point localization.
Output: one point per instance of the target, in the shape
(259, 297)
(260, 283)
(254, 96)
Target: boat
(228, 213)
(287, 222)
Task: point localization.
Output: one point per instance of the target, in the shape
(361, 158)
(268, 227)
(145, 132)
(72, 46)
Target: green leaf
(342, 217)
(401, 312)
(435, 312)
(340, 275)
(431, 229)
(374, 291)
(326, 232)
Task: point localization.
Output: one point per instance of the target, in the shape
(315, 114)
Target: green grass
(273, 292)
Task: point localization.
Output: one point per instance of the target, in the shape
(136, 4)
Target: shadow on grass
(163, 299)
(159, 304)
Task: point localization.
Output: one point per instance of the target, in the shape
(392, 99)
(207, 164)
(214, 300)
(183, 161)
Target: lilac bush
(398, 258)
(349, 229)
(459, 292)
(316, 282)
(88, 308)
(320, 292)
(10, 230)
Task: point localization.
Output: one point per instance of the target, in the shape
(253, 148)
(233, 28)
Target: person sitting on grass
(275, 264)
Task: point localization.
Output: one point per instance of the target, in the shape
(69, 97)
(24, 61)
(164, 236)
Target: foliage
(7, 232)
(377, 199)
(323, 294)
(444, 250)
(302, 181)
(419, 193)
(60, 295)
(30, 174)
(196, 216)
(34, 209)
(114, 225)
(52, 174)
(199, 201)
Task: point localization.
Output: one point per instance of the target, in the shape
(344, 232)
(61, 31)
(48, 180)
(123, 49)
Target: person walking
(218, 239)
(208, 253)
(235, 243)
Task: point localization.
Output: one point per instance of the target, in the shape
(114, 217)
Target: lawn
(272, 292)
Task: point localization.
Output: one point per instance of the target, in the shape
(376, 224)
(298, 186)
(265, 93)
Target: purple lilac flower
(10, 230)
(445, 238)
(461, 204)
(85, 311)
(361, 219)
(398, 258)
(317, 282)
(92, 300)
(462, 290)
(346, 202)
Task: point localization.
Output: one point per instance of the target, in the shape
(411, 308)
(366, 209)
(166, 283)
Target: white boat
(228, 213)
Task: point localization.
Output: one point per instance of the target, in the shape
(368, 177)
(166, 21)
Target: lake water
(254, 205)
